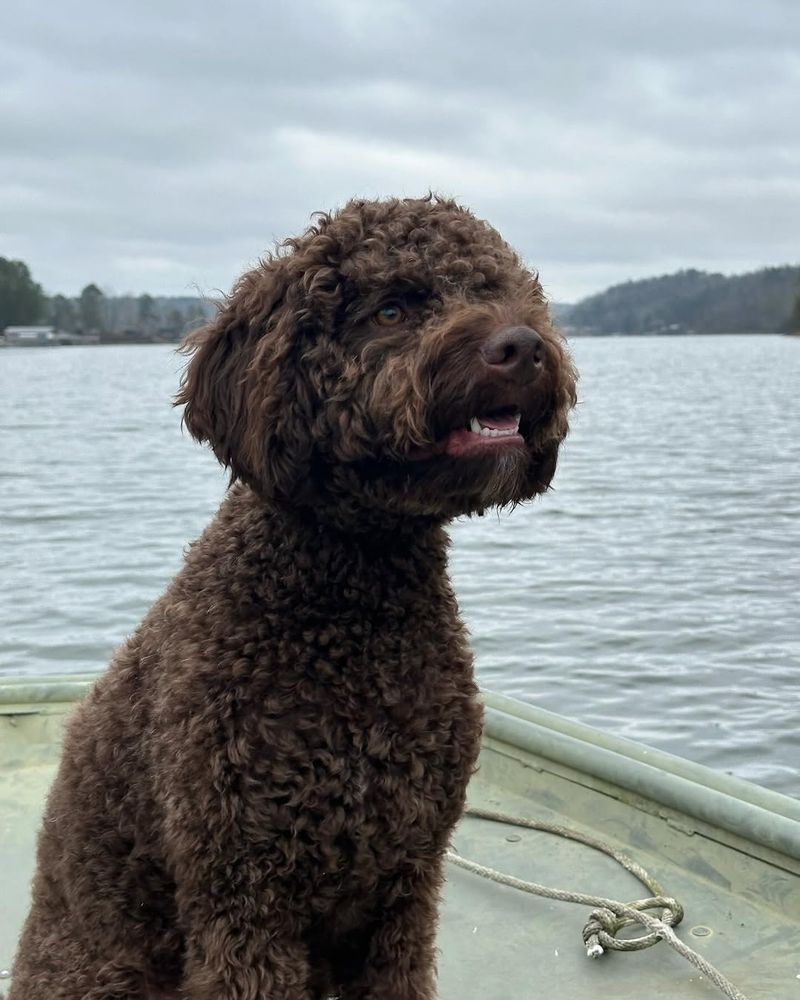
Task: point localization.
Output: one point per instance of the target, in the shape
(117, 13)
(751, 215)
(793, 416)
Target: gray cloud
(154, 149)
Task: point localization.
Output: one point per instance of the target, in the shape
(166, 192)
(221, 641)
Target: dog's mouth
(495, 429)
(486, 431)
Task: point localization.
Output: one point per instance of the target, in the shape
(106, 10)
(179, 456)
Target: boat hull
(728, 850)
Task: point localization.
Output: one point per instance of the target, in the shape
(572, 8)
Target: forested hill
(766, 301)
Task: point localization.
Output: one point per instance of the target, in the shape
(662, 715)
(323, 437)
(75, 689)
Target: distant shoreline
(150, 340)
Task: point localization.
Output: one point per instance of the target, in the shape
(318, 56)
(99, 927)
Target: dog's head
(396, 357)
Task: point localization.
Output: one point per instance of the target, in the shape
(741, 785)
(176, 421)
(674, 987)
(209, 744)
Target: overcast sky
(162, 145)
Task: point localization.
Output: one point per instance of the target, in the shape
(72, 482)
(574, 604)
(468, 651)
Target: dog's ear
(244, 392)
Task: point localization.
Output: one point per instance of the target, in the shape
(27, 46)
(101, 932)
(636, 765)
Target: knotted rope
(609, 915)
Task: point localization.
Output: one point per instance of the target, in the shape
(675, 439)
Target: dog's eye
(390, 315)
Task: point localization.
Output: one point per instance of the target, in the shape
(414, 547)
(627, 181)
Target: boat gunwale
(758, 815)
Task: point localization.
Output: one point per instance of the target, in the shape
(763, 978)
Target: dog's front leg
(243, 939)
(231, 956)
(401, 962)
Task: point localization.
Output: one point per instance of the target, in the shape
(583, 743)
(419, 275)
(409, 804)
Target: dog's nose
(514, 350)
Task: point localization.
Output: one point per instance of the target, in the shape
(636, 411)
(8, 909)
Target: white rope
(609, 915)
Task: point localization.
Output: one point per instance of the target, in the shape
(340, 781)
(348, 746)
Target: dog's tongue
(503, 422)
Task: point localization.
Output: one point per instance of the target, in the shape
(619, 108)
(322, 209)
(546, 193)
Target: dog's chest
(370, 725)
(400, 785)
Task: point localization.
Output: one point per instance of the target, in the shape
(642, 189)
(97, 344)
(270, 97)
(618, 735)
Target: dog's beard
(443, 486)
(505, 483)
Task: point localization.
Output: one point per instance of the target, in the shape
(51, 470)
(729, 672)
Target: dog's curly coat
(255, 799)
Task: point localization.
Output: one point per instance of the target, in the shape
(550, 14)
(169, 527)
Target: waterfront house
(30, 336)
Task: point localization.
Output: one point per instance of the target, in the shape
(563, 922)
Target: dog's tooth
(477, 428)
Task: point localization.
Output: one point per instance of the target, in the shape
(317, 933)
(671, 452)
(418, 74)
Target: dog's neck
(318, 552)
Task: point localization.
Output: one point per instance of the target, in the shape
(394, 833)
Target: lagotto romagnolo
(254, 801)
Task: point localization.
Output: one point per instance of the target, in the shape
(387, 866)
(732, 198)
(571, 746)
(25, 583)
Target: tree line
(24, 303)
(691, 301)
(765, 301)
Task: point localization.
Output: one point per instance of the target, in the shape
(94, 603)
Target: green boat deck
(728, 850)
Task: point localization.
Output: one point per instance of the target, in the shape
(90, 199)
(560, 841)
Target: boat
(728, 851)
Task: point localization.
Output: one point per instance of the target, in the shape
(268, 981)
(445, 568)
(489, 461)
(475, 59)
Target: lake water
(653, 593)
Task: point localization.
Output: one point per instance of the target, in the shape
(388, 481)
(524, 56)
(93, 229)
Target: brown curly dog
(255, 799)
